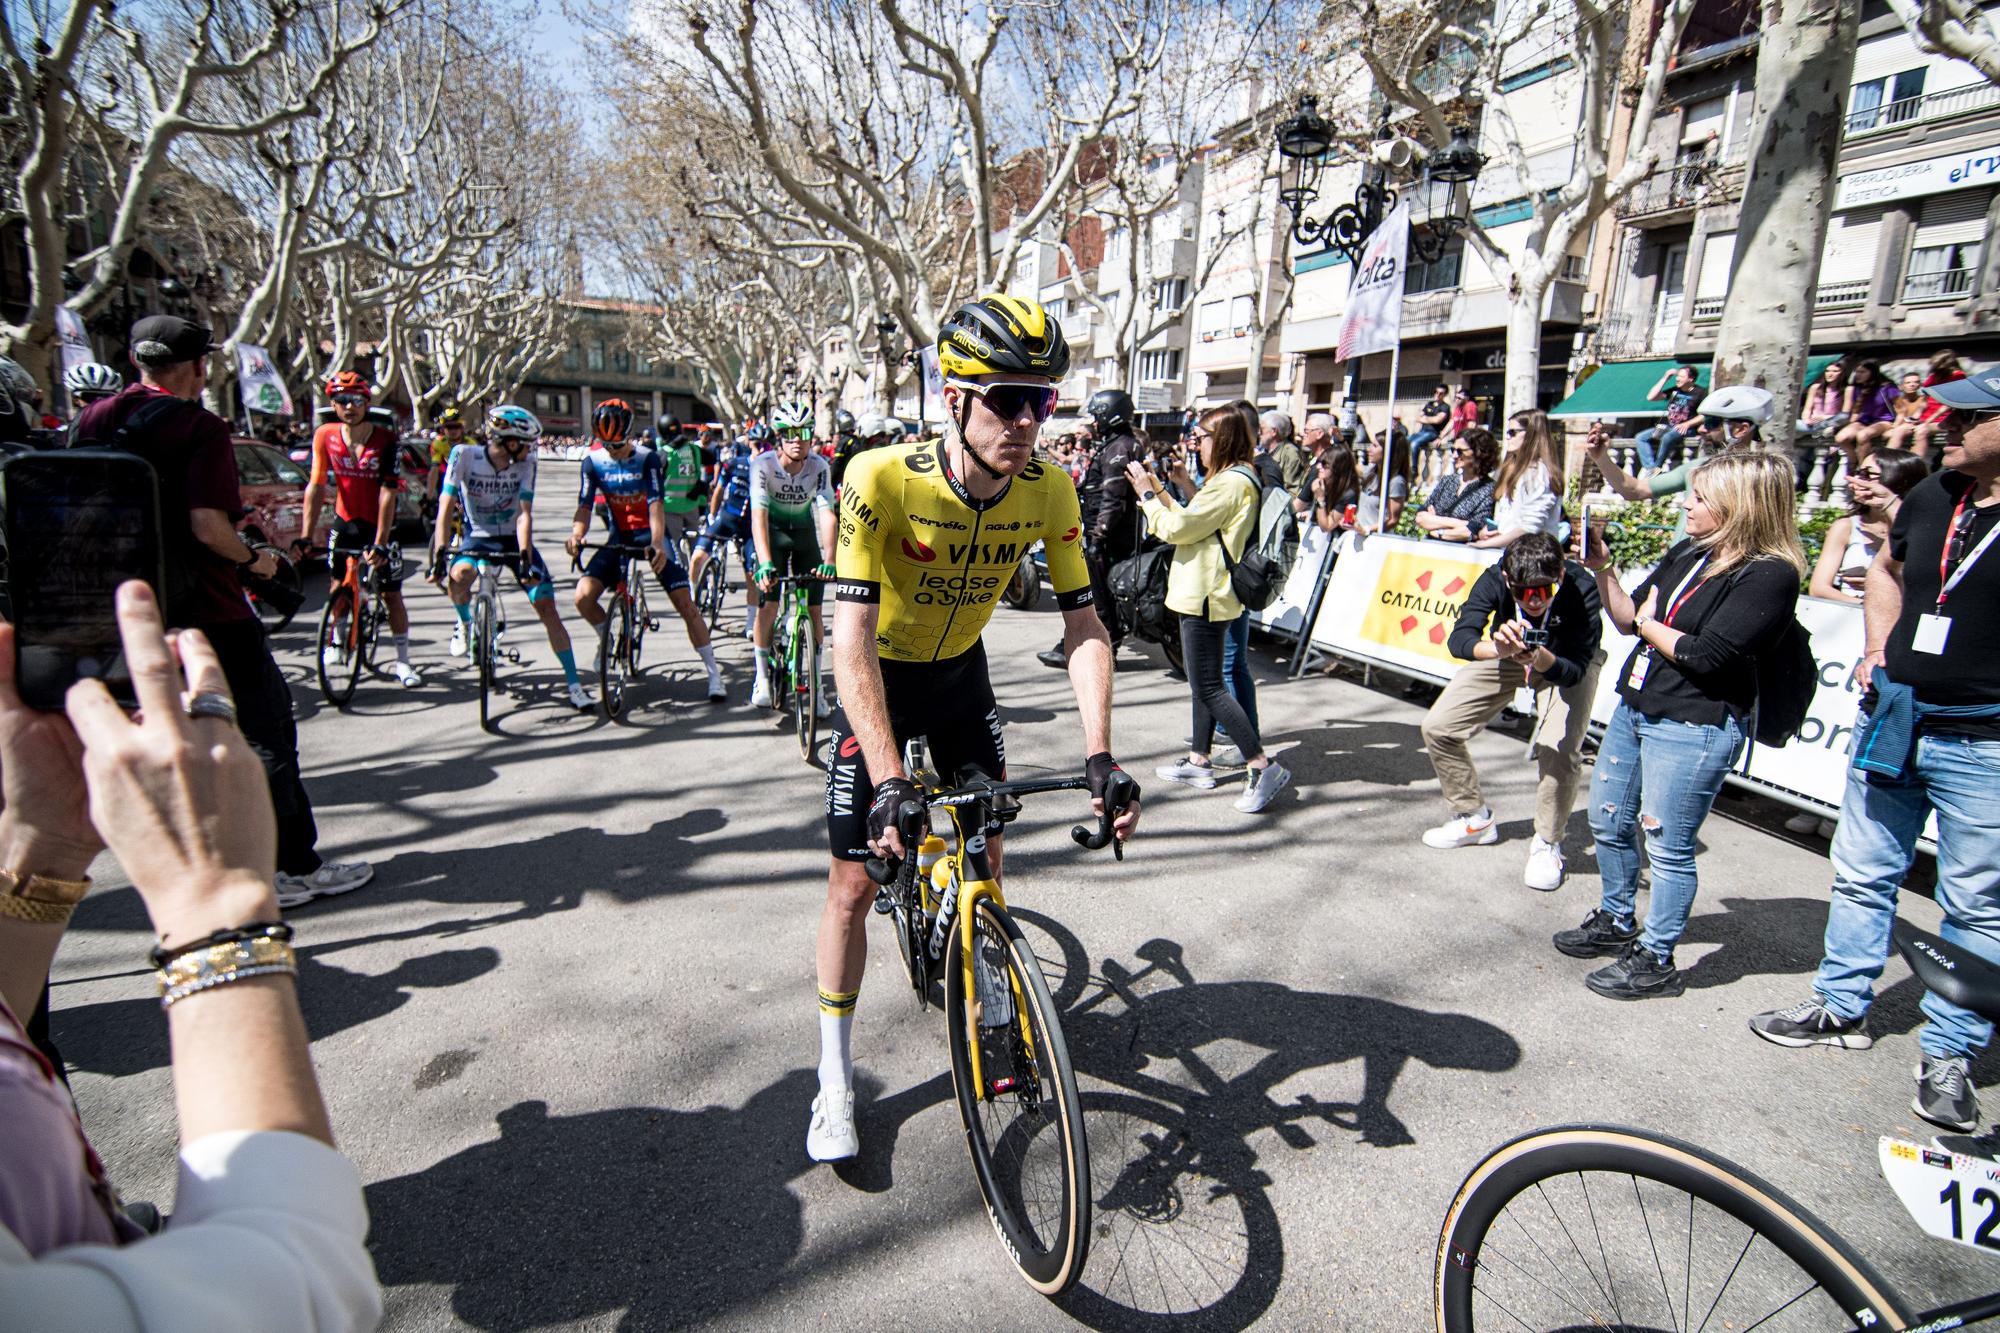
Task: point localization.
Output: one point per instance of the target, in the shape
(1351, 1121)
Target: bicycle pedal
(884, 904)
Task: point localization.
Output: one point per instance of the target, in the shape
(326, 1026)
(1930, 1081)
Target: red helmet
(348, 381)
(612, 420)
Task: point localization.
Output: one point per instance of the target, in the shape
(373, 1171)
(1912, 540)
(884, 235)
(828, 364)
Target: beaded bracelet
(218, 964)
(160, 955)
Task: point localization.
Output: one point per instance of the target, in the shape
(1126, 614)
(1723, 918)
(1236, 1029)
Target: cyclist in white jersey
(492, 486)
(792, 526)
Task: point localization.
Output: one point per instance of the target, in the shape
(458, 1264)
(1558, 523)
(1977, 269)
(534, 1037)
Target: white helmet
(92, 379)
(1739, 402)
(792, 416)
(869, 426)
(892, 427)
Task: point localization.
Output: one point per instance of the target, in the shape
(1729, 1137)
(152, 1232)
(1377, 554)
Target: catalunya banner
(1373, 320)
(263, 390)
(1393, 601)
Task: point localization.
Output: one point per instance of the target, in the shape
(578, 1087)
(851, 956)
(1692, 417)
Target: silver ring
(211, 704)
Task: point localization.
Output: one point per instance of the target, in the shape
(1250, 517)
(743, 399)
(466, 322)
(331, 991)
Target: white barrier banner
(1392, 601)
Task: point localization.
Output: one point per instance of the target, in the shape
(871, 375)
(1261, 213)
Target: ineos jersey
(790, 497)
(913, 539)
(359, 474)
(491, 498)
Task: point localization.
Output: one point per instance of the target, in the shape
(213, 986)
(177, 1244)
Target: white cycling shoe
(760, 693)
(405, 674)
(832, 1136)
(457, 646)
(579, 697)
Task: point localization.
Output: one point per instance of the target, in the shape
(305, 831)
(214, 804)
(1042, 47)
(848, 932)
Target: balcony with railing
(1830, 296)
(1941, 285)
(1929, 106)
(1668, 191)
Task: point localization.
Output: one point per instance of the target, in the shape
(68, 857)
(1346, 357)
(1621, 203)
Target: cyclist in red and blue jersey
(623, 482)
(729, 514)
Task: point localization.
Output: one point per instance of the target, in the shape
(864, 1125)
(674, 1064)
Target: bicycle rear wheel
(709, 595)
(1596, 1227)
(287, 577)
(1023, 1118)
(483, 649)
(339, 658)
(613, 661)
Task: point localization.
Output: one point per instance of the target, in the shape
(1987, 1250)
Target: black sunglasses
(1961, 532)
(350, 400)
(1008, 401)
(1966, 418)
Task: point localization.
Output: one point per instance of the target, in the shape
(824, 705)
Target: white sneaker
(1228, 757)
(832, 1137)
(1803, 822)
(1545, 866)
(760, 693)
(405, 674)
(1261, 787)
(580, 698)
(1201, 776)
(457, 646)
(332, 877)
(716, 693)
(1474, 830)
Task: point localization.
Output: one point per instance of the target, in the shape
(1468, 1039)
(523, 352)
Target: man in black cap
(1110, 509)
(161, 419)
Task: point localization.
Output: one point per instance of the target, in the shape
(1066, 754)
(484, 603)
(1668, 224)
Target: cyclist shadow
(1178, 1076)
(569, 1218)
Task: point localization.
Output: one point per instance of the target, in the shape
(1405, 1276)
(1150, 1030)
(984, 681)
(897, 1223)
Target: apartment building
(1907, 266)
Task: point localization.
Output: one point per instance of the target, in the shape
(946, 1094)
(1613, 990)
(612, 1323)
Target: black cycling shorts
(795, 554)
(353, 532)
(949, 703)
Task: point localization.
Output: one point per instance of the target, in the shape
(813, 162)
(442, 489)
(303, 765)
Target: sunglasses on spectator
(1965, 418)
(454, 425)
(1517, 430)
(1008, 401)
(350, 400)
(1540, 592)
(1464, 452)
(1870, 473)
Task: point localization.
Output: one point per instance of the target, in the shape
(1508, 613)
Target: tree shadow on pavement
(1758, 937)
(1186, 1236)
(1382, 754)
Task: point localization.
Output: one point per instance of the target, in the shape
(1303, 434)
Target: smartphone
(74, 524)
(1583, 532)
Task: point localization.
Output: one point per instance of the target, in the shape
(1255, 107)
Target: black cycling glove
(890, 793)
(1098, 770)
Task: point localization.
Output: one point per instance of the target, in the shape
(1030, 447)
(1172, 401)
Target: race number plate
(1951, 1196)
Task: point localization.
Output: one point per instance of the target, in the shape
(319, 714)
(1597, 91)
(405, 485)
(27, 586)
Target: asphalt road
(569, 1031)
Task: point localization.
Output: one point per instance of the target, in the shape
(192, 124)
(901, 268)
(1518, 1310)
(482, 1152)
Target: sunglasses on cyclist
(1007, 400)
(350, 400)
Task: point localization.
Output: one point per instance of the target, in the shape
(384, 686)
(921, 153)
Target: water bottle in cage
(989, 983)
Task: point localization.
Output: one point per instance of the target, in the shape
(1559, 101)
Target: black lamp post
(1305, 137)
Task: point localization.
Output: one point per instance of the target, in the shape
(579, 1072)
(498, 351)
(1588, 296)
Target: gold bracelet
(175, 994)
(226, 961)
(41, 899)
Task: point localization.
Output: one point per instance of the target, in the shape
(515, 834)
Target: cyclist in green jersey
(680, 480)
(792, 527)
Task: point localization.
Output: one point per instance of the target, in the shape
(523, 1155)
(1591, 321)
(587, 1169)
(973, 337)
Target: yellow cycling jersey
(936, 559)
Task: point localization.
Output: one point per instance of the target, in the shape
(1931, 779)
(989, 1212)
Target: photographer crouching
(1533, 620)
(161, 419)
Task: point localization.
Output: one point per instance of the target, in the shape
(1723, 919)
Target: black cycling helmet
(1110, 410)
(1000, 334)
(669, 428)
(843, 422)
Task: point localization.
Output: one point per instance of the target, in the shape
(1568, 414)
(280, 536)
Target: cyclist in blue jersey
(492, 486)
(729, 516)
(624, 482)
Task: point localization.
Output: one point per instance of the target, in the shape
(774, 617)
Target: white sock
(1483, 815)
(763, 660)
(836, 1033)
(403, 648)
(707, 654)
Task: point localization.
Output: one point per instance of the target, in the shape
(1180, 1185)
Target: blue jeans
(1661, 775)
(1659, 447)
(1424, 435)
(1236, 675)
(1959, 778)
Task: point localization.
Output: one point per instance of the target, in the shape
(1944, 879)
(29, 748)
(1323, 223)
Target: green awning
(1619, 388)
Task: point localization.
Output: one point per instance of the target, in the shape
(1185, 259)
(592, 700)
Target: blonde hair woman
(1716, 600)
(1525, 494)
(1208, 535)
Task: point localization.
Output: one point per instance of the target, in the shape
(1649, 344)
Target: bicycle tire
(338, 677)
(483, 649)
(1536, 1170)
(710, 595)
(805, 698)
(285, 576)
(370, 637)
(639, 621)
(1049, 1105)
(612, 647)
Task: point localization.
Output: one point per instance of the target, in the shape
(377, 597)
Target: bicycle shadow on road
(1178, 1076)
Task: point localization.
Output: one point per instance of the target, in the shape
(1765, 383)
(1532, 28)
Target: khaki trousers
(1473, 698)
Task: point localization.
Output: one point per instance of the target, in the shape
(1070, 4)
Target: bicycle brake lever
(882, 871)
(1119, 793)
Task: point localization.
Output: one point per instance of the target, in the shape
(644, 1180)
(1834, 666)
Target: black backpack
(1138, 587)
(1787, 679)
(1256, 579)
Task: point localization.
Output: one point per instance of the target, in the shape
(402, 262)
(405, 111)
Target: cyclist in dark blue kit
(623, 481)
(729, 513)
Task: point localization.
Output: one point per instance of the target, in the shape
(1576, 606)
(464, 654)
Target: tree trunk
(1803, 65)
(1524, 342)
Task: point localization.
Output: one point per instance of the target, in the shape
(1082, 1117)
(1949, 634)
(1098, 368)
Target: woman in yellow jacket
(1223, 511)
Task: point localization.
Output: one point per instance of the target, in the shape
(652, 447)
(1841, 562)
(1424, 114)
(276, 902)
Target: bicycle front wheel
(1023, 1118)
(483, 649)
(805, 693)
(709, 596)
(339, 656)
(613, 661)
(1596, 1227)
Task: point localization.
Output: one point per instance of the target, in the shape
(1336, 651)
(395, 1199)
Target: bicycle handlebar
(1118, 796)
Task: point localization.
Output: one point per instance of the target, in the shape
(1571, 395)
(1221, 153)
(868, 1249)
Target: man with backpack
(161, 420)
(1927, 742)
(1112, 524)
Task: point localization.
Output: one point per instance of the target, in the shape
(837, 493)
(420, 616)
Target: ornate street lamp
(1305, 138)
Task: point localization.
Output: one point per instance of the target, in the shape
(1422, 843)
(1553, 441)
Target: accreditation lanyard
(1642, 661)
(1934, 628)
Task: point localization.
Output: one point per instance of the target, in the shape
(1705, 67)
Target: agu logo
(918, 552)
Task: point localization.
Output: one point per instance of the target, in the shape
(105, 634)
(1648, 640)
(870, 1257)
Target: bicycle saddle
(1950, 971)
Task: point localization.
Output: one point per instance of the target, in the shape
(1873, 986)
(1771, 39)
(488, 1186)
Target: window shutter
(1958, 218)
(1716, 257)
(1891, 53)
(1851, 241)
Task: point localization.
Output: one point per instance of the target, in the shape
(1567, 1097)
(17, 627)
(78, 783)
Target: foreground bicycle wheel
(805, 692)
(1026, 1131)
(1591, 1227)
(708, 597)
(614, 661)
(339, 657)
(483, 648)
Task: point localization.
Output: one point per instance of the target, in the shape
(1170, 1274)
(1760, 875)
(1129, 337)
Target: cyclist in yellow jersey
(451, 434)
(929, 536)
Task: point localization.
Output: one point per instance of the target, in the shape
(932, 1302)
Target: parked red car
(274, 493)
